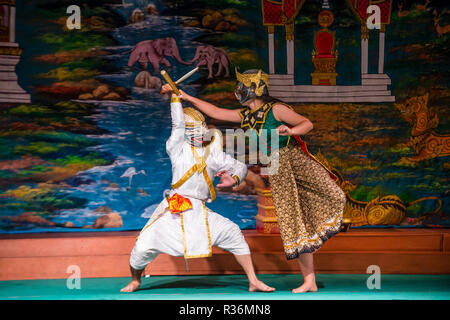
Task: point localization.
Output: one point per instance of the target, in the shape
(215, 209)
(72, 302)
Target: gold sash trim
(209, 254)
(200, 167)
(186, 256)
(185, 177)
(159, 215)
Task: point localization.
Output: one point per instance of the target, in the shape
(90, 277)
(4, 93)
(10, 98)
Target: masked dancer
(182, 225)
(308, 202)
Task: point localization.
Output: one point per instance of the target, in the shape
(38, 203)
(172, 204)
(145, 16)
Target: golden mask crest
(248, 79)
(194, 117)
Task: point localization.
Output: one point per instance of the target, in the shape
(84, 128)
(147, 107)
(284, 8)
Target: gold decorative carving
(326, 18)
(364, 32)
(266, 219)
(289, 31)
(424, 140)
(12, 51)
(8, 2)
(387, 210)
(324, 67)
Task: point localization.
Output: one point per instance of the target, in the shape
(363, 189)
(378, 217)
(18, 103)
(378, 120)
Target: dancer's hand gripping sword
(172, 84)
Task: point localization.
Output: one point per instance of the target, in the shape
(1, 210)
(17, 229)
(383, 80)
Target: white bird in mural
(130, 173)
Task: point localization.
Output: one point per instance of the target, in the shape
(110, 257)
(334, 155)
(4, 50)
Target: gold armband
(237, 179)
(175, 99)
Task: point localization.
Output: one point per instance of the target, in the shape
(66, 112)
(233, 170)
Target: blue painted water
(139, 128)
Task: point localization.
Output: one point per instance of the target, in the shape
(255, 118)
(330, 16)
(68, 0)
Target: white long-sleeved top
(182, 158)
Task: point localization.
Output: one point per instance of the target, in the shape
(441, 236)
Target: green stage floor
(233, 287)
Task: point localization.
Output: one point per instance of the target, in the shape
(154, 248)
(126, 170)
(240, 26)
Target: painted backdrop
(88, 151)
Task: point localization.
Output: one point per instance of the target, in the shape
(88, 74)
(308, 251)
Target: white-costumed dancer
(181, 225)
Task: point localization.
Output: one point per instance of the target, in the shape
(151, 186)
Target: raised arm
(176, 139)
(208, 108)
(213, 111)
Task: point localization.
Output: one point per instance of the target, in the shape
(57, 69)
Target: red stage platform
(106, 254)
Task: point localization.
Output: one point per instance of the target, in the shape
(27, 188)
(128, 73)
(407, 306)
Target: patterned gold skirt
(308, 203)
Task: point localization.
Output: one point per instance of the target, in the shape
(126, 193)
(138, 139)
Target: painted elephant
(209, 55)
(155, 51)
(145, 80)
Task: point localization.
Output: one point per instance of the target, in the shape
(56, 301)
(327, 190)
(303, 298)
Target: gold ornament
(326, 18)
(248, 79)
(193, 118)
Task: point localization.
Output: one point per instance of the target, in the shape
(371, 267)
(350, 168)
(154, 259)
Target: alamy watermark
(74, 20)
(74, 280)
(374, 19)
(374, 280)
(255, 148)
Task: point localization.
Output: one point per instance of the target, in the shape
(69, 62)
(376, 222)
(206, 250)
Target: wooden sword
(172, 84)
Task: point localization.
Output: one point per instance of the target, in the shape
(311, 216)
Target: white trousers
(165, 236)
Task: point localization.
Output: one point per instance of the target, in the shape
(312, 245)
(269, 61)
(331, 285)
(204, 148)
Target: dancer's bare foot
(306, 287)
(132, 286)
(259, 286)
